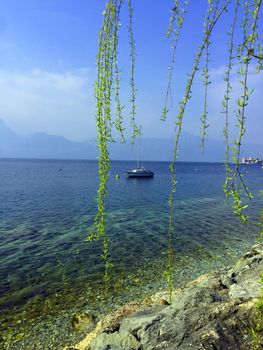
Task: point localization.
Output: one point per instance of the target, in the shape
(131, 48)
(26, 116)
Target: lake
(48, 271)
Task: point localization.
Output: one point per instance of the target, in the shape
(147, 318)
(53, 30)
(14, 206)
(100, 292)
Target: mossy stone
(19, 336)
(83, 321)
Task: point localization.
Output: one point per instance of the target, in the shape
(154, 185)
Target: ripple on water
(49, 270)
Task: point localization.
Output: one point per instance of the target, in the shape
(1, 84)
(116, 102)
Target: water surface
(48, 270)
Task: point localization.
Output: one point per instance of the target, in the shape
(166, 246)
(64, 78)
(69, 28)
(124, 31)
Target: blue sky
(47, 68)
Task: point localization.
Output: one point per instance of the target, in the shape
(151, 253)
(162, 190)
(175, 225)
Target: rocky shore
(216, 311)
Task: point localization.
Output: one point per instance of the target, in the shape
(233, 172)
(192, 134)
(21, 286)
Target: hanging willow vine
(211, 10)
(173, 33)
(235, 186)
(226, 99)
(136, 129)
(106, 63)
(179, 123)
(108, 88)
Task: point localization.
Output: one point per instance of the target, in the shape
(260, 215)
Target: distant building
(251, 160)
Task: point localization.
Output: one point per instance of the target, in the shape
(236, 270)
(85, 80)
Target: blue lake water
(47, 208)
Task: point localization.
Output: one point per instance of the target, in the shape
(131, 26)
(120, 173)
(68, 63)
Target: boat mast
(139, 152)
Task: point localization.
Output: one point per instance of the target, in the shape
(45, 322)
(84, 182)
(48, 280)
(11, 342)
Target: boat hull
(140, 174)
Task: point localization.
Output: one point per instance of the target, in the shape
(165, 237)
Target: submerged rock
(83, 321)
(216, 311)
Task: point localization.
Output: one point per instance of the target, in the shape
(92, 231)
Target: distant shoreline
(112, 160)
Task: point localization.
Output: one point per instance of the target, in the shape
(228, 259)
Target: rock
(255, 258)
(256, 249)
(112, 347)
(163, 297)
(140, 320)
(240, 268)
(248, 289)
(117, 340)
(226, 281)
(19, 336)
(216, 311)
(83, 322)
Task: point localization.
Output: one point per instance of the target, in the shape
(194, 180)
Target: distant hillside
(42, 145)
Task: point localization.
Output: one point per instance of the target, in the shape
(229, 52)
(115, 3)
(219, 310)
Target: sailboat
(139, 171)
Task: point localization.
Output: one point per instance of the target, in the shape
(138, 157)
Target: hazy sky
(47, 68)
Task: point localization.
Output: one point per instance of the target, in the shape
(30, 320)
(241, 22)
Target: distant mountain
(42, 145)
(189, 149)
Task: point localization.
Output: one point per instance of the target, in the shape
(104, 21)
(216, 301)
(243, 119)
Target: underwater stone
(19, 336)
(83, 321)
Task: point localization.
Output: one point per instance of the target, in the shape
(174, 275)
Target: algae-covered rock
(19, 336)
(83, 321)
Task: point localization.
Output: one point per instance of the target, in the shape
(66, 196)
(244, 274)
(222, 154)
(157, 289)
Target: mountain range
(42, 145)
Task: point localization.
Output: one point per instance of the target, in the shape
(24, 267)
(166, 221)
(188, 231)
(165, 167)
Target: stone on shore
(216, 311)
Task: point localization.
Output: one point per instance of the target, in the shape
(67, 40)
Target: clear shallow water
(48, 271)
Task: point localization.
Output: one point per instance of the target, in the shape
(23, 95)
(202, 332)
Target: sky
(48, 69)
